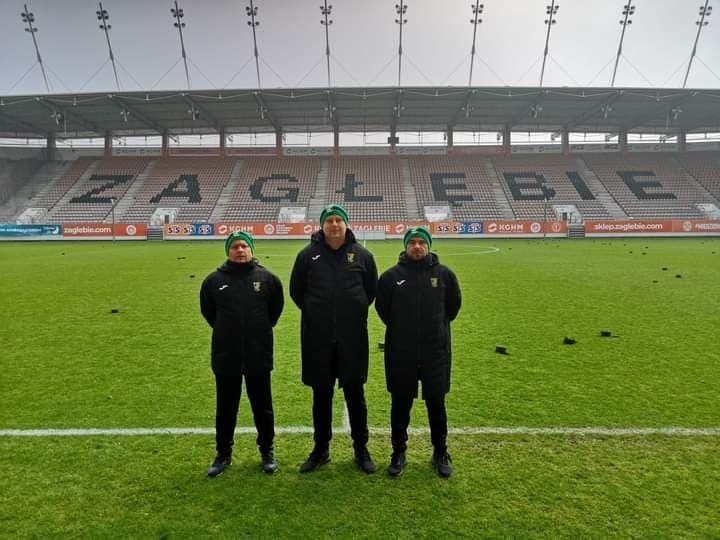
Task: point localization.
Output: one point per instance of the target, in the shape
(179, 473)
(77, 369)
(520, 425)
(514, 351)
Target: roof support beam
(593, 111)
(332, 111)
(203, 112)
(465, 108)
(35, 129)
(122, 105)
(69, 113)
(639, 120)
(397, 112)
(710, 123)
(265, 112)
(532, 110)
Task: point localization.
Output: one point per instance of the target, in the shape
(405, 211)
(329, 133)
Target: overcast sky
(363, 43)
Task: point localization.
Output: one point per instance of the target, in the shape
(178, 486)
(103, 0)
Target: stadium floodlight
(535, 110)
(326, 10)
(178, 14)
(550, 11)
(400, 9)
(628, 10)
(124, 113)
(103, 16)
(675, 112)
(477, 10)
(29, 18)
(705, 12)
(252, 11)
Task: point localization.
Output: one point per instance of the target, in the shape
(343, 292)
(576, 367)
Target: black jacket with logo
(242, 303)
(334, 290)
(417, 301)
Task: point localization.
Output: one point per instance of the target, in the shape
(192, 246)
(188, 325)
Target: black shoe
(269, 465)
(441, 463)
(219, 464)
(315, 460)
(397, 464)
(364, 461)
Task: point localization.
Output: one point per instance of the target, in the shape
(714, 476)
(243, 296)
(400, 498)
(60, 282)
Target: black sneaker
(397, 464)
(315, 460)
(219, 464)
(441, 463)
(364, 461)
(269, 465)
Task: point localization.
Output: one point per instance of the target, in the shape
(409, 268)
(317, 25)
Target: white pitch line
(673, 431)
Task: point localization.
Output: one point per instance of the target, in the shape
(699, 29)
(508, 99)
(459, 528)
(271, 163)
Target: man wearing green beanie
(333, 283)
(416, 300)
(242, 302)
(334, 210)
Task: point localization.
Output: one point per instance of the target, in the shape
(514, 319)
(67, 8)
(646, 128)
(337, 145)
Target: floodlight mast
(29, 18)
(704, 12)
(251, 12)
(178, 14)
(628, 10)
(400, 9)
(104, 16)
(550, 11)
(477, 10)
(326, 10)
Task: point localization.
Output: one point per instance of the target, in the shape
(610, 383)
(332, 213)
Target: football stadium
(582, 222)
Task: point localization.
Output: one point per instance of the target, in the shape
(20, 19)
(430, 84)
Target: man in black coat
(333, 283)
(417, 299)
(242, 302)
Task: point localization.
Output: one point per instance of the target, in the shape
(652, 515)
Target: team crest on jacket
(351, 257)
(434, 281)
(256, 286)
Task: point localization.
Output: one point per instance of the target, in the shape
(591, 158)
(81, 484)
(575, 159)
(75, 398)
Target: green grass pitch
(68, 362)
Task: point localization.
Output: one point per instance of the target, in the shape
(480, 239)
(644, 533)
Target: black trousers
(228, 392)
(400, 420)
(322, 415)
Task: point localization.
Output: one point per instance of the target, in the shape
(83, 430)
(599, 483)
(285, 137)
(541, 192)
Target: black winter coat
(334, 290)
(417, 301)
(242, 303)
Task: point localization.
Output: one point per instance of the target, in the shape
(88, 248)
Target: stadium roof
(372, 109)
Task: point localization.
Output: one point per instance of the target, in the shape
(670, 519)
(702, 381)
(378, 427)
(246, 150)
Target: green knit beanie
(239, 235)
(333, 210)
(419, 232)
